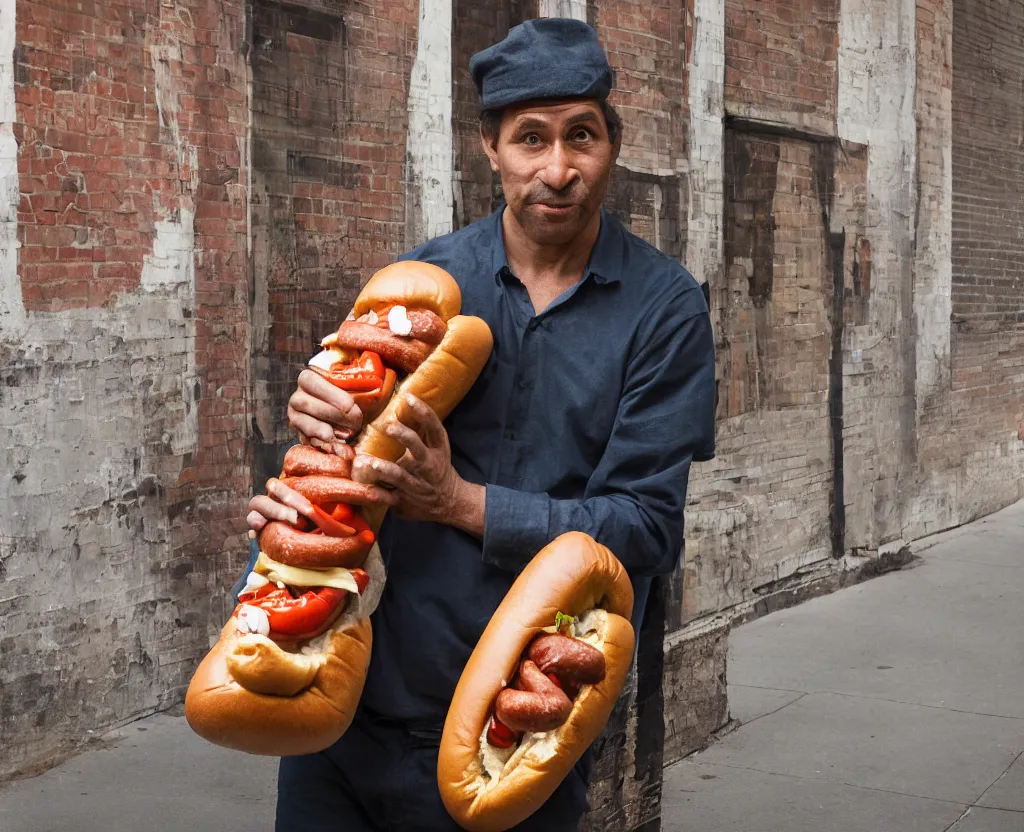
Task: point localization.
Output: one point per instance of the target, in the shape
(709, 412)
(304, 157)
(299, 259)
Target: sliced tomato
(357, 522)
(372, 403)
(342, 512)
(329, 525)
(363, 375)
(361, 579)
(372, 362)
(500, 735)
(303, 615)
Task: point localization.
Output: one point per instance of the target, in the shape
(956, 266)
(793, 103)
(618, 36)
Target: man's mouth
(554, 208)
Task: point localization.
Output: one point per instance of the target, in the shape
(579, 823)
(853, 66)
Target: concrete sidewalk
(893, 706)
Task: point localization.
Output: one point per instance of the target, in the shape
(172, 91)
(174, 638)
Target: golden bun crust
(440, 382)
(411, 283)
(572, 574)
(224, 712)
(259, 664)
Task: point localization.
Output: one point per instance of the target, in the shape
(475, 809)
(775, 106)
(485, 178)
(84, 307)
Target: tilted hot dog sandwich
(288, 670)
(539, 687)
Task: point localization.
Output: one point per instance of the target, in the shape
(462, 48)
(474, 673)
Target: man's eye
(533, 139)
(581, 135)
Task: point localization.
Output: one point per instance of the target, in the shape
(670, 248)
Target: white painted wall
(576, 9)
(877, 81)
(12, 311)
(430, 187)
(706, 142)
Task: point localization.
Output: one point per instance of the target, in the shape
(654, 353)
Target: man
(598, 395)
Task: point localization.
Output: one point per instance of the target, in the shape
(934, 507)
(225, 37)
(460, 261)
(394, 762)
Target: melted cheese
(336, 577)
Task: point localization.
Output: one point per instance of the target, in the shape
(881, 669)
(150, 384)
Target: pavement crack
(883, 699)
(963, 814)
(828, 781)
(988, 788)
(769, 713)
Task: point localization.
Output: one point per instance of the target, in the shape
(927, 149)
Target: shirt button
(523, 383)
(510, 434)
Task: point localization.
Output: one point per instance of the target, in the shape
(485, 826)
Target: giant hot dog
(288, 669)
(539, 687)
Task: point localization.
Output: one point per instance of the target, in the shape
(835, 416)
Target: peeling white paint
(705, 205)
(430, 149)
(104, 413)
(933, 267)
(12, 309)
(576, 9)
(173, 259)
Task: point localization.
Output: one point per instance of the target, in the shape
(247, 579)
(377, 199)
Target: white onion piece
(254, 581)
(253, 620)
(326, 359)
(398, 321)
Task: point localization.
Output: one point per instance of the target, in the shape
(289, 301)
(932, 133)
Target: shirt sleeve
(635, 498)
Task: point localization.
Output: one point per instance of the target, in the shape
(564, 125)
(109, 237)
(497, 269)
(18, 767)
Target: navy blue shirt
(586, 417)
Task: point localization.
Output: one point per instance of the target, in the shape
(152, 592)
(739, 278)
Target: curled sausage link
(303, 460)
(320, 489)
(573, 661)
(405, 354)
(537, 705)
(292, 547)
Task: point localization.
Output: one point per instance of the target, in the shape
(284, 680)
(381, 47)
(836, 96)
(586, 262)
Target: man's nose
(559, 172)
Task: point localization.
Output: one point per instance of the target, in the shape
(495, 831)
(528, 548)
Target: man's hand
(279, 503)
(322, 414)
(288, 505)
(426, 485)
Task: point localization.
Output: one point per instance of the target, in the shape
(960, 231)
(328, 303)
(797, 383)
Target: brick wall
(329, 101)
(476, 25)
(646, 44)
(124, 355)
(987, 408)
(781, 61)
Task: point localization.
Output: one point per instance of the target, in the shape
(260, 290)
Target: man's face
(554, 159)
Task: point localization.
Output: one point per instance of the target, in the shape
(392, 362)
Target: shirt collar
(605, 263)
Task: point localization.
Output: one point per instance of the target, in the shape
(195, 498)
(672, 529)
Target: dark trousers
(380, 776)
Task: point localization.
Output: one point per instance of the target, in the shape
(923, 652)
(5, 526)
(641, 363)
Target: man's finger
(268, 509)
(289, 497)
(408, 437)
(310, 429)
(321, 399)
(255, 521)
(425, 420)
(372, 471)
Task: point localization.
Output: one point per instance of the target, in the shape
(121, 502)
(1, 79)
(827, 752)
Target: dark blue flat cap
(552, 57)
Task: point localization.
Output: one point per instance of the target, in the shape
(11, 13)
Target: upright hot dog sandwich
(288, 670)
(539, 687)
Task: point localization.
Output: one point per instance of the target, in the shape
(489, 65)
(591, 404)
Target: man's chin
(548, 227)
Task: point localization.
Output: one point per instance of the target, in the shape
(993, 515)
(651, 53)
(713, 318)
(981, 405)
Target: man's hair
(490, 122)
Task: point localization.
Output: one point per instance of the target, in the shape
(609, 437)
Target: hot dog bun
(282, 697)
(573, 575)
(277, 722)
(440, 382)
(412, 284)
